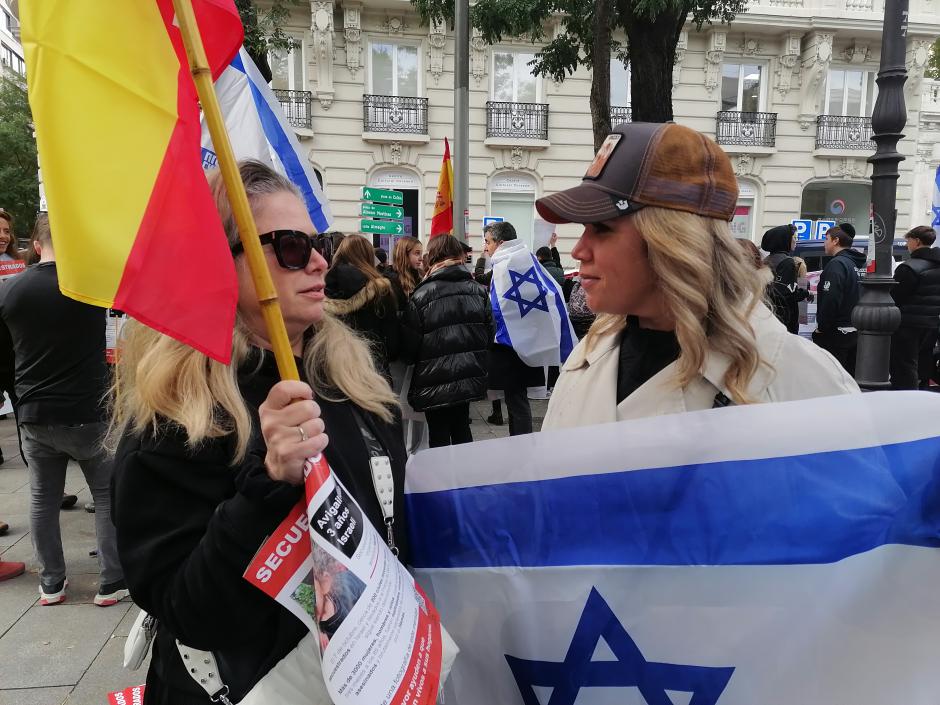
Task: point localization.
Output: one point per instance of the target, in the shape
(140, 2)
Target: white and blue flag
(529, 308)
(935, 202)
(705, 558)
(258, 130)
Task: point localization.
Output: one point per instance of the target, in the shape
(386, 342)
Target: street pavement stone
(71, 654)
(37, 696)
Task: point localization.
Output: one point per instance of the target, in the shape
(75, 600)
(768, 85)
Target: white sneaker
(54, 594)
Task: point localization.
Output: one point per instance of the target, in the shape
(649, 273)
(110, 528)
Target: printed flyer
(129, 696)
(380, 637)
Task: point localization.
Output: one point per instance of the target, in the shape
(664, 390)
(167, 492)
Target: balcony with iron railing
(619, 114)
(517, 121)
(844, 132)
(296, 106)
(394, 118)
(746, 129)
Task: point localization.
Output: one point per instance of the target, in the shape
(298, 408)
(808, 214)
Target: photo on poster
(328, 593)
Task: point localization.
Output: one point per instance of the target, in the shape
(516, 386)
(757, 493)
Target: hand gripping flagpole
(247, 230)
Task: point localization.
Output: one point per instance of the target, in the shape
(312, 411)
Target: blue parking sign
(823, 227)
(804, 229)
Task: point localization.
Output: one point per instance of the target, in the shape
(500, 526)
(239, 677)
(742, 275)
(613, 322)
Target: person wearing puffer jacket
(450, 313)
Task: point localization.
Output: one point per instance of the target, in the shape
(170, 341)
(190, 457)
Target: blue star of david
(525, 305)
(630, 670)
(936, 215)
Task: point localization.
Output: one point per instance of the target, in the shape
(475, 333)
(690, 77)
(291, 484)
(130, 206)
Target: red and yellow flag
(133, 223)
(442, 223)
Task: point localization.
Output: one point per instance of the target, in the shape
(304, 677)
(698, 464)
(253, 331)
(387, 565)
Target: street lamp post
(876, 317)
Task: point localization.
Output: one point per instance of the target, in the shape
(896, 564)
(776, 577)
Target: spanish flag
(134, 226)
(442, 223)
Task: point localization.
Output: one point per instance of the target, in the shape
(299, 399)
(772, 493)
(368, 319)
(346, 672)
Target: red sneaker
(8, 570)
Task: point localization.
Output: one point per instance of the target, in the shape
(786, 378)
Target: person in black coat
(917, 294)
(209, 458)
(364, 299)
(837, 295)
(450, 313)
(783, 291)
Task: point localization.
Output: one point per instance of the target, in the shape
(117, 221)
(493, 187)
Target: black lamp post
(876, 316)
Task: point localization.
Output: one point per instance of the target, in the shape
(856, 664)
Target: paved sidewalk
(72, 653)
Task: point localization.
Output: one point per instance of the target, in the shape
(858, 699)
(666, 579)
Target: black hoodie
(783, 291)
(838, 291)
(369, 307)
(917, 292)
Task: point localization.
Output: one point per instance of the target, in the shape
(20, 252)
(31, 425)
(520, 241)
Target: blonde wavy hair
(159, 380)
(710, 290)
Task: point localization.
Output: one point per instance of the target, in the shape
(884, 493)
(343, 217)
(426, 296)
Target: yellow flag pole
(248, 231)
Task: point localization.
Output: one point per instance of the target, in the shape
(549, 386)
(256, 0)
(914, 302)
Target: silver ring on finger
(303, 434)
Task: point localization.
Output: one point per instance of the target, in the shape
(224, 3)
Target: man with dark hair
(507, 371)
(837, 294)
(61, 380)
(917, 294)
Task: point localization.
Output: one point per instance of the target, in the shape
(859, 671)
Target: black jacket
(553, 268)
(783, 292)
(58, 344)
(917, 292)
(189, 523)
(838, 291)
(451, 314)
(369, 307)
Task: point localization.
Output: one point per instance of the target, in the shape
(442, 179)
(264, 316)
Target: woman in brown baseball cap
(681, 322)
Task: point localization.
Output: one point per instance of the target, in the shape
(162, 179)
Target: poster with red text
(129, 696)
(10, 268)
(380, 637)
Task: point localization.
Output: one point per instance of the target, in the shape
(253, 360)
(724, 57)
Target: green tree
(264, 30)
(19, 178)
(933, 63)
(652, 28)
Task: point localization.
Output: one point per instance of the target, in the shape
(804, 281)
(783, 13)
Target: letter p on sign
(804, 229)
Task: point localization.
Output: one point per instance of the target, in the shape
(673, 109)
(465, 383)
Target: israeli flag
(935, 202)
(529, 308)
(258, 130)
(698, 558)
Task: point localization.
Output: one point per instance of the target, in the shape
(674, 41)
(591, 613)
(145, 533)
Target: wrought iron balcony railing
(392, 113)
(619, 114)
(748, 129)
(522, 120)
(296, 106)
(844, 132)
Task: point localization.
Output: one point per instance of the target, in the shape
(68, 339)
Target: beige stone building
(787, 89)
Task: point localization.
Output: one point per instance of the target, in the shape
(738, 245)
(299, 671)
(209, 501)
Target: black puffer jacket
(917, 292)
(369, 307)
(452, 315)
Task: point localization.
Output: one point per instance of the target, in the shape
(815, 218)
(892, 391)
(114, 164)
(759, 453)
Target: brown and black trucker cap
(648, 164)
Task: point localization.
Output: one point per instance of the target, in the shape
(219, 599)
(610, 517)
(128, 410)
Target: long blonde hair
(710, 290)
(159, 379)
(401, 263)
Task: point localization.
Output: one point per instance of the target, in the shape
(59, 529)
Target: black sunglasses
(293, 248)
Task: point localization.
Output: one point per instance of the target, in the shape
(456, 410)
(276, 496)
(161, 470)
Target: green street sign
(382, 227)
(374, 210)
(382, 195)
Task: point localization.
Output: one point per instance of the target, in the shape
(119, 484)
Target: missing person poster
(380, 637)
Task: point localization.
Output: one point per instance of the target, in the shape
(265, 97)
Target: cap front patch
(603, 154)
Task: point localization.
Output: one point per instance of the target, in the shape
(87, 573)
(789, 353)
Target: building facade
(787, 89)
(11, 51)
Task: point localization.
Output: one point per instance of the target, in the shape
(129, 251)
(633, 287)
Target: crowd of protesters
(204, 460)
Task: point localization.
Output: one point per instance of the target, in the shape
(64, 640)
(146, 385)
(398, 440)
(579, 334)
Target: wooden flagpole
(248, 232)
